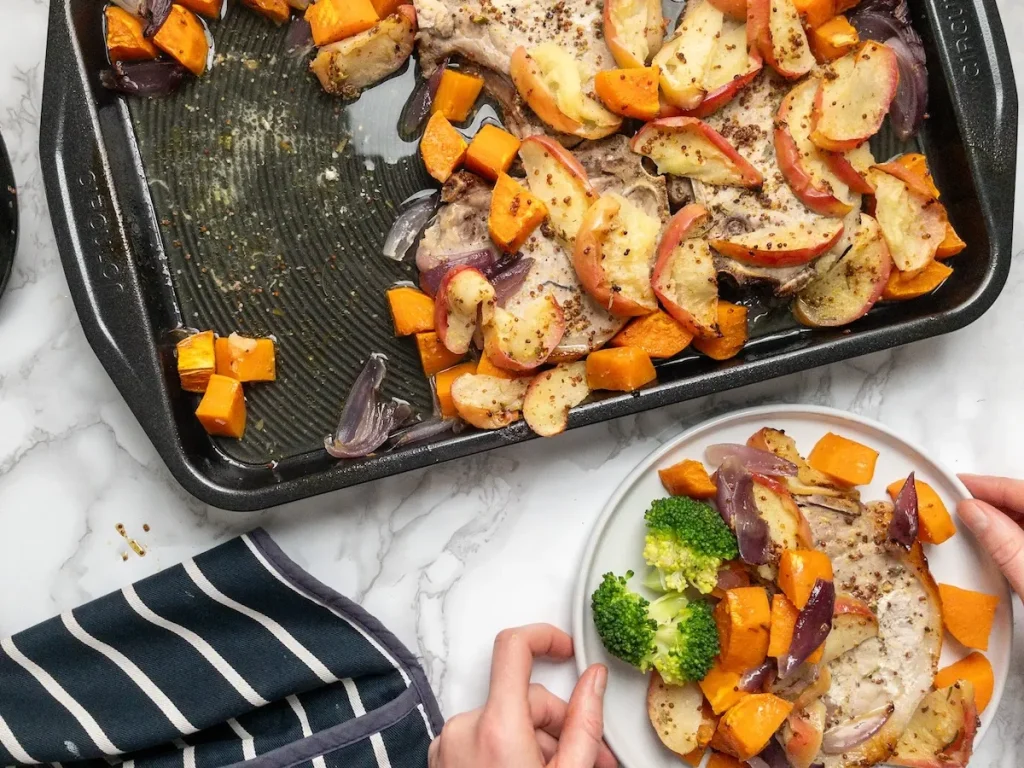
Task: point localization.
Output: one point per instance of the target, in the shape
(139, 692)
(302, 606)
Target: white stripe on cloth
(376, 741)
(206, 650)
(10, 742)
(365, 635)
(66, 700)
(136, 675)
(188, 757)
(248, 742)
(283, 635)
(128, 764)
(300, 712)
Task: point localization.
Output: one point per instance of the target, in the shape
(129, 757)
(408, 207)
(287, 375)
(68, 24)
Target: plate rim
(579, 596)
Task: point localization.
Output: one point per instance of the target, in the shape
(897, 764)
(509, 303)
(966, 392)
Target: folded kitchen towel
(233, 656)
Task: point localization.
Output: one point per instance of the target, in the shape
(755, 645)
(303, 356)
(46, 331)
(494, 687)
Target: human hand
(524, 725)
(995, 517)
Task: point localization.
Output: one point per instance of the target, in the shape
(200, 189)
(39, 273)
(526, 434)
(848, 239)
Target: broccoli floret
(687, 541)
(673, 635)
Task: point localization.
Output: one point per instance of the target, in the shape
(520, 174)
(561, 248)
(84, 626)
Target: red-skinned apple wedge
(685, 279)
(848, 289)
(802, 733)
(941, 733)
(686, 56)
(854, 97)
(552, 394)
(851, 167)
(460, 297)
(633, 30)
(675, 712)
(787, 526)
(523, 343)
(555, 176)
(774, 28)
(614, 253)
(733, 9)
(782, 246)
(488, 402)
(852, 623)
(732, 69)
(914, 225)
(914, 180)
(686, 146)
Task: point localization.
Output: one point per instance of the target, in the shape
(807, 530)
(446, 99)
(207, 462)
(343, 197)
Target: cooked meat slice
(517, 118)
(613, 167)
(899, 665)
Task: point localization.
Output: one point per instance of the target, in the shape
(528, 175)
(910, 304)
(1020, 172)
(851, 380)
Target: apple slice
(802, 164)
(522, 343)
(552, 394)
(686, 146)
(851, 286)
(851, 167)
(462, 293)
(802, 733)
(854, 98)
(941, 732)
(686, 56)
(733, 9)
(914, 225)
(853, 622)
(549, 80)
(732, 68)
(614, 253)
(558, 179)
(676, 713)
(488, 402)
(633, 30)
(787, 526)
(685, 279)
(774, 28)
(787, 246)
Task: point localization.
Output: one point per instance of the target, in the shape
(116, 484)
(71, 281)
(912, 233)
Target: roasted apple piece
(941, 732)
(851, 167)
(854, 97)
(774, 28)
(685, 279)
(488, 402)
(803, 165)
(850, 286)
(552, 394)
(731, 69)
(633, 30)
(786, 246)
(614, 253)
(348, 66)
(787, 526)
(913, 225)
(523, 342)
(549, 79)
(733, 9)
(853, 622)
(801, 734)
(686, 146)
(685, 58)
(676, 713)
(557, 179)
(462, 293)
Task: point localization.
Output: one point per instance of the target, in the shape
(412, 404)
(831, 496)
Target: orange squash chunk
(900, 287)
(334, 20)
(278, 11)
(968, 615)
(658, 334)
(798, 570)
(246, 359)
(732, 324)
(456, 95)
(125, 38)
(743, 618)
(212, 9)
(491, 152)
(936, 524)
(412, 311)
(721, 760)
(746, 728)
(222, 409)
(197, 361)
(833, 39)
(721, 688)
(443, 387)
(951, 245)
(688, 478)
(515, 213)
(183, 38)
(630, 92)
(975, 668)
(385, 8)
(815, 12)
(845, 461)
(434, 356)
(623, 369)
(442, 148)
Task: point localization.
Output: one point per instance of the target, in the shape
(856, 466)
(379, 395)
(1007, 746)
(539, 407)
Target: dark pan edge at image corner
(119, 322)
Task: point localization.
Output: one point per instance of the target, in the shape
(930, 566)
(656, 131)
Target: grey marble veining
(448, 556)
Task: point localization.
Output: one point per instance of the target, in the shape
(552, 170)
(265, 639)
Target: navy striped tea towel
(234, 656)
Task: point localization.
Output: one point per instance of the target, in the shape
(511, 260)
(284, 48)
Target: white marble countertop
(444, 557)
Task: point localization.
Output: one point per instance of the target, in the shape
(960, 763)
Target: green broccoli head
(687, 541)
(673, 635)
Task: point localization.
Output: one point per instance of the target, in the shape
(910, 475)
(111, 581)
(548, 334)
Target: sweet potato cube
(688, 478)
(443, 387)
(658, 334)
(630, 92)
(732, 324)
(975, 668)
(456, 95)
(743, 618)
(515, 213)
(491, 152)
(183, 37)
(815, 12)
(412, 311)
(798, 570)
(834, 39)
(334, 20)
(784, 616)
(721, 688)
(746, 729)
(125, 38)
(900, 287)
(211, 9)
(722, 760)
(197, 361)
(222, 409)
(385, 8)
(623, 369)
(917, 164)
(951, 245)
(845, 461)
(434, 356)
(246, 359)
(442, 148)
(935, 523)
(968, 615)
(278, 11)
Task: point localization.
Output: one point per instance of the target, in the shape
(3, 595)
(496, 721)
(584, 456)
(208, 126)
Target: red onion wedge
(143, 78)
(409, 226)
(298, 40)
(430, 279)
(774, 756)
(732, 575)
(843, 738)
(753, 459)
(735, 501)
(812, 627)
(423, 432)
(904, 524)
(366, 420)
(510, 278)
(155, 13)
(416, 110)
(754, 680)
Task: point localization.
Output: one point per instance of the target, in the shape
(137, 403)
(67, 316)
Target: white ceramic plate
(617, 545)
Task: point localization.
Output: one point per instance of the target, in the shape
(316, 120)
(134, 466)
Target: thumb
(580, 742)
(1000, 537)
